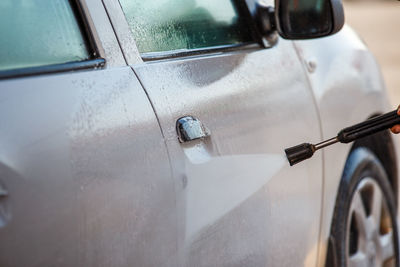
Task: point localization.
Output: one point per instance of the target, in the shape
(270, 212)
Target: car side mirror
(307, 19)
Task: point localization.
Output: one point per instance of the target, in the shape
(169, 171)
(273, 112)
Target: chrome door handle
(189, 128)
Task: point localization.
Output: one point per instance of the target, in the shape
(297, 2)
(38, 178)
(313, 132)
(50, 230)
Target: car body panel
(121, 28)
(84, 167)
(235, 190)
(342, 71)
(88, 175)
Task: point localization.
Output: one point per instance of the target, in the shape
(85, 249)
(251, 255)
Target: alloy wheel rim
(369, 232)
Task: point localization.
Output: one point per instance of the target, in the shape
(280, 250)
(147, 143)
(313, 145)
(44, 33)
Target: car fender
(343, 71)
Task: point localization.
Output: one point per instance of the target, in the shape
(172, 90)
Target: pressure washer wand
(304, 151)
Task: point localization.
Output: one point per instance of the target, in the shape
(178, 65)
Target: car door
(239, 203)
(85, 178)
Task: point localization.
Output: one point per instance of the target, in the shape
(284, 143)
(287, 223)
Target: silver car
(152, 133)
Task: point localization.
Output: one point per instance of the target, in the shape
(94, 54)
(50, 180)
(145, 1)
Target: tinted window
(37, 32)
(164, 25)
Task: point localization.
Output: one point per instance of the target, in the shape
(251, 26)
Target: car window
(38, 33)
(166, 25)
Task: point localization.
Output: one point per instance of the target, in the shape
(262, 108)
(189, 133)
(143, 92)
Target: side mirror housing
(307, 19)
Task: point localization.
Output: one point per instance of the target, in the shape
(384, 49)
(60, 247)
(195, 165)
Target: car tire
(364, 229)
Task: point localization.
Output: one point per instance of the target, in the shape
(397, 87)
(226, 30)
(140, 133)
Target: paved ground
(378, 23)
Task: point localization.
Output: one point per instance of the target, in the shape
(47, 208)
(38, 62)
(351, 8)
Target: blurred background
(378, 24)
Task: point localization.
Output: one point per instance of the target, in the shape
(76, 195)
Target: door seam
(315, 104)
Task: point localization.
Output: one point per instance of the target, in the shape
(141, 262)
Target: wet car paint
(245, 110)
(88, 175)
(95, 155)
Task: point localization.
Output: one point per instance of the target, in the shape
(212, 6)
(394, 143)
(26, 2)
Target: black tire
(350, 241)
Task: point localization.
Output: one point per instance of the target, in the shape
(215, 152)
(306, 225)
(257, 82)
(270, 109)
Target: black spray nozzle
(304, 151)
(299, 153)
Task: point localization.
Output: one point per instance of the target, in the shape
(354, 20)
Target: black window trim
(85, 28)
(94, 61)
(152, 56)
(54, 68)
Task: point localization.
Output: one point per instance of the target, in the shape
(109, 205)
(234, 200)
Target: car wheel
(364, 229)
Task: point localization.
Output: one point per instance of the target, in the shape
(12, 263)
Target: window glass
(164, 25)
(37, 32)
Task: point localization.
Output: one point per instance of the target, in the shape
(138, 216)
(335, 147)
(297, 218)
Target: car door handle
(190, 128)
